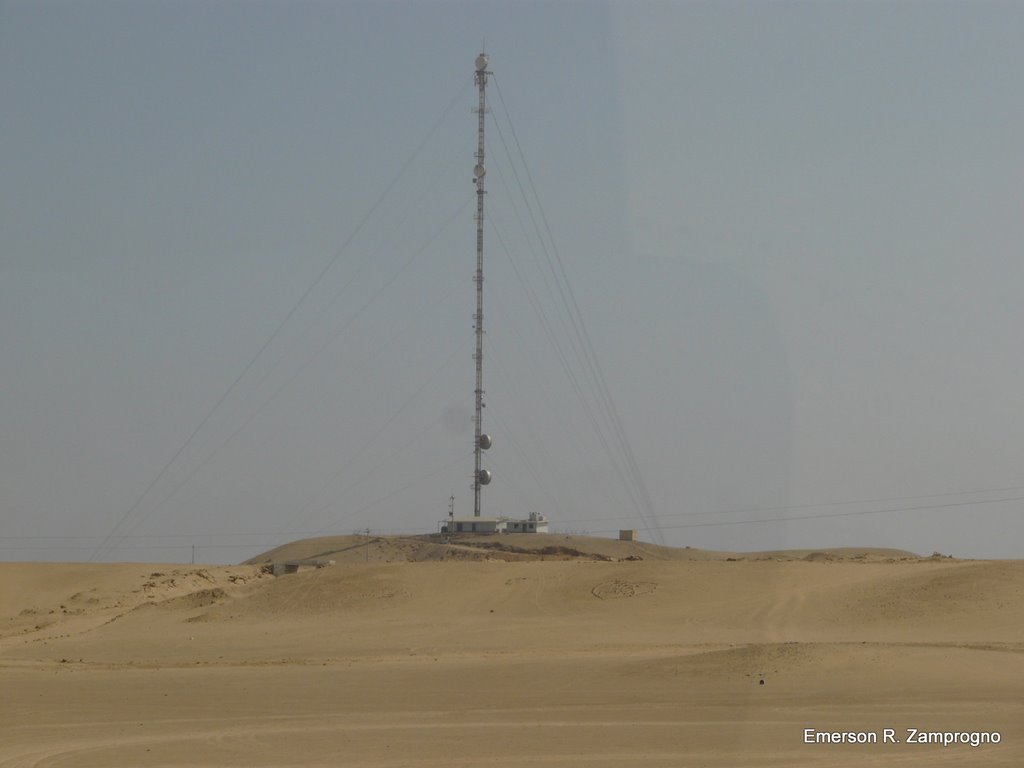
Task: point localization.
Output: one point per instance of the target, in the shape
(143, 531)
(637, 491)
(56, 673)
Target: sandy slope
(482, 661)
(525, 546)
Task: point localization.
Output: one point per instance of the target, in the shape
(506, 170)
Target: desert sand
(513, 651)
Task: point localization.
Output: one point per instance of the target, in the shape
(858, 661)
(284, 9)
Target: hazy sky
(793, 232)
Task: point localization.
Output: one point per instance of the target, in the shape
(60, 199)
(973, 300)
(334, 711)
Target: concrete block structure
(535, 523)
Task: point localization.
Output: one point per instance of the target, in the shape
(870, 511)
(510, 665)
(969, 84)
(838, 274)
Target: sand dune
(544, 651)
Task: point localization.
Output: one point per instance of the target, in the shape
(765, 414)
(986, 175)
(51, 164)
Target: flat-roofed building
(476, 525)
(535, 523)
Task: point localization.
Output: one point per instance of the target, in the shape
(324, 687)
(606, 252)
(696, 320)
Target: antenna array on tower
(481, 441)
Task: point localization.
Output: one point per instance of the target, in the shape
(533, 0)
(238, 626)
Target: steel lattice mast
(481, 441)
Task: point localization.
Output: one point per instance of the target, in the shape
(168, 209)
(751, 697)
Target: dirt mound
(619, 588)
(989, 592)
(515, 547)
(742, 662)
(819, 557)
(863, 554)
(510, 547)
(199, 599)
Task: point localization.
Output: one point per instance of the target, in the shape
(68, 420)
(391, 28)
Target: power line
(589, 356)
(304, 511)
(448, 465)
(309, 360)
(80, 537)
(552, 337)
(281, 326)
(33, 548)
(523, 456)
(856, 513)
(560, 353)
(577, 341)
(746, 510)
(869, 501)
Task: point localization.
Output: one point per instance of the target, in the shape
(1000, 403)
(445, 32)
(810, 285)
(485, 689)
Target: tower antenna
(482, 441)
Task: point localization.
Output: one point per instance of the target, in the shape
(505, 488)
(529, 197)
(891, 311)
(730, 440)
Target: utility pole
(481, 441)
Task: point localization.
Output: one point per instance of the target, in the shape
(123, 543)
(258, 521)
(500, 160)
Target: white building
(535, 523)
(475, 525)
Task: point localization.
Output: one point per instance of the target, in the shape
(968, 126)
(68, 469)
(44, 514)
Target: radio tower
(481, 441)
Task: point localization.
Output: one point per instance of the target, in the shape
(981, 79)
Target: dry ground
(466, 655)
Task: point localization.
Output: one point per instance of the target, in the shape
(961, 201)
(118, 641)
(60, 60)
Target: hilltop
(531, 546)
